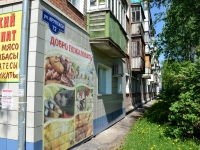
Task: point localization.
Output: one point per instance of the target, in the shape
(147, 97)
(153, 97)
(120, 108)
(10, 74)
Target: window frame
(107, 81)
(135, 10)
(80, 8)
(136, 48)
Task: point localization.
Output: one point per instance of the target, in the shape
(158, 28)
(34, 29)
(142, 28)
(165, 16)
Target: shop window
(104, 79)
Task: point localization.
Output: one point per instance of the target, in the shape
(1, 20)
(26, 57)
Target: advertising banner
(10, 31)
(68, 92)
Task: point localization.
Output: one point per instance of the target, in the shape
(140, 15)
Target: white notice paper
(7, 100)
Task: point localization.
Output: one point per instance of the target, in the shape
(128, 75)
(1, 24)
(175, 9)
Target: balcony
(147, 73)
(106, 33)
(137, 29)
(138, 56)
(137, 65)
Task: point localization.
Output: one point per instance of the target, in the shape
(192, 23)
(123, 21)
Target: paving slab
(111, 138)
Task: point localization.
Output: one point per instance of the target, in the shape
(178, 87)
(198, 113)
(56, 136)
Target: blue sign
(55, 24)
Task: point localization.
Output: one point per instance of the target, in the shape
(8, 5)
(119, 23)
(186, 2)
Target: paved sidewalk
(112, 138)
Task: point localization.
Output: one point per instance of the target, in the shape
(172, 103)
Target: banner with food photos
(68, 92)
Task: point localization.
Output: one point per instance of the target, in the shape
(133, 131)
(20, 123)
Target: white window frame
(97, 6)
(133, 9)
(80, 6)
(106, 84)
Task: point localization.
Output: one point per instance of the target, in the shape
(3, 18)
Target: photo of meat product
(83, 126)
(60, 69)
(84, 99)
(58, 103)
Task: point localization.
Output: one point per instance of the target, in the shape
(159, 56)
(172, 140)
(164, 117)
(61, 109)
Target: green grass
(149, 133)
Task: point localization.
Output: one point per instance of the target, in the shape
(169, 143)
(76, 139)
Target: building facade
(141, 78)
(89, 62)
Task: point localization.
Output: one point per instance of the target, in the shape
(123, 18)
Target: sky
(158, 26)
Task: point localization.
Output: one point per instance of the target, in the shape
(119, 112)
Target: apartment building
(106, 24)
(88, 64)
(141, 83)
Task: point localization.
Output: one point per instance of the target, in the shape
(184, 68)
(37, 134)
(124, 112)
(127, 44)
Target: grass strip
(148, 133)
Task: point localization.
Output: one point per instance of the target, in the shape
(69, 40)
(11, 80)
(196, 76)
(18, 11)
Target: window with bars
(136, 14)
(136, 49)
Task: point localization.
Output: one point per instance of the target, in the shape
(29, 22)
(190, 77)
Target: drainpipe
(23, 77)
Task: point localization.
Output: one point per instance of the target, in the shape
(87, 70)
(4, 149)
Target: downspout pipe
(23, 77)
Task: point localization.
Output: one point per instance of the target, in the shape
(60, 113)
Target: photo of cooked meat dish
(59, 103)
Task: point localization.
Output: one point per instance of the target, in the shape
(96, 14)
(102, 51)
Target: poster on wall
(7, 99)
(68, 91)
(10, 30)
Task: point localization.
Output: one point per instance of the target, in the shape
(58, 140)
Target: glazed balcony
(138, 56)
(147, 73)
(137, 65)
(137, 29)
(107, 34)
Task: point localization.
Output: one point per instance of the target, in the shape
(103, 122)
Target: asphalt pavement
(111, 138)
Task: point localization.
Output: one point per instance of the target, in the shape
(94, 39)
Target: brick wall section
(71, 11)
